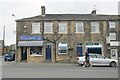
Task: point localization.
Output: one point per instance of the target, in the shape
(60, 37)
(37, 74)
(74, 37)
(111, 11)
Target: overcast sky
(29, 8)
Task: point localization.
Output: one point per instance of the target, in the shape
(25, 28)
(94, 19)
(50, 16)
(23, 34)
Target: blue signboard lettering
(32, 38)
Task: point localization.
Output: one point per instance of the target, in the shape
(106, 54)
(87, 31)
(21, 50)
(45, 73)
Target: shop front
(94, 48)
(30, 49)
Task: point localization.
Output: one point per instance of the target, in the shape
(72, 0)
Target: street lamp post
(3, 42)
(15, 32)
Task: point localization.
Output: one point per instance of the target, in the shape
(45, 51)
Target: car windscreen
(9, 55)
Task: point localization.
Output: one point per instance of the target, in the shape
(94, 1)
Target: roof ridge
(70, 17)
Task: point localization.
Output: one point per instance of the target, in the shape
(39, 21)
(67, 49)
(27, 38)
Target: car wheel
(113, 64)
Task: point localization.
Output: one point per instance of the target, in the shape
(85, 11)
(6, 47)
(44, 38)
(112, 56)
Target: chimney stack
(93, 12)
(42, 10)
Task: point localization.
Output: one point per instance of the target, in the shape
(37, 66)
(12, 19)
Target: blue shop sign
(31, 38)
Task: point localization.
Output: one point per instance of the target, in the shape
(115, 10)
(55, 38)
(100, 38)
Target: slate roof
(70, 17)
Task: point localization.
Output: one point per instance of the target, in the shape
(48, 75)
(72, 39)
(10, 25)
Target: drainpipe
(43, 15)
(55, 50)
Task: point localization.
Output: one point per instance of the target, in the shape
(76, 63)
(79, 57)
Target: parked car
(9, 57)
(97, 60)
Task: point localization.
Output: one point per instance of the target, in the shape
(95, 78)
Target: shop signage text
(31, 38)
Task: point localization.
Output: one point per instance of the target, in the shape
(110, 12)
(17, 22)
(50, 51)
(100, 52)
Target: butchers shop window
(35, 50)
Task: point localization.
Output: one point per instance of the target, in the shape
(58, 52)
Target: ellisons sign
(31, 38)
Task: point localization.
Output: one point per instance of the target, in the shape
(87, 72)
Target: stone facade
(1, 48)
(72, 38)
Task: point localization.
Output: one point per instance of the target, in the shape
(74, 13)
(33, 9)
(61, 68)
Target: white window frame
(64, 45)
(37, 31)
(33, 54)
(63, 24)
(81, 26)
(96, 26)
(93, 44)
(48, 24)
(111, 36)
(112, 24)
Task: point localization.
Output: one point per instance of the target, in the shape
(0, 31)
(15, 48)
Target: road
(55, 70)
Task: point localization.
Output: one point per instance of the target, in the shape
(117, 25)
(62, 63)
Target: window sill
(62, 53)
(35, 55)
(95, 32)
(35, 33)
(79, 32)
(62, 32)
(48, 32)
(112, 28)
(112, 40)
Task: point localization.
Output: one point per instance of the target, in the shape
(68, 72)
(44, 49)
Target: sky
(30, 8)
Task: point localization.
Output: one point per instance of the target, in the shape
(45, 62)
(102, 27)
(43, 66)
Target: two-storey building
(63, 37)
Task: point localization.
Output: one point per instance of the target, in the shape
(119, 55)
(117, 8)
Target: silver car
(97, 60)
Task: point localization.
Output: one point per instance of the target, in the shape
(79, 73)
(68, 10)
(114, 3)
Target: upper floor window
(111, 24)
(95, 27)
(48, 27)
(112, 36)
(62, 27)
(35, 28)
(79, 27)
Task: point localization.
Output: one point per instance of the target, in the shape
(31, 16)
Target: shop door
(79, 50)
(48, 52)
(23, 53)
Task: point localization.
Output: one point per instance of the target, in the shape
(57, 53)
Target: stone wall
(35, 59)
(72, 38)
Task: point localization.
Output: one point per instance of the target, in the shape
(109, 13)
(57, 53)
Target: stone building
(63, 37)
(1, 48)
